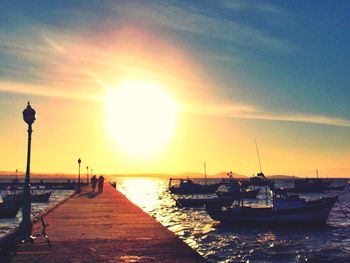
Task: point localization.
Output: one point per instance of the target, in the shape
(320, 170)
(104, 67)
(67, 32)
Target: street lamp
(79, 162)
(87, 174)
(25, 227)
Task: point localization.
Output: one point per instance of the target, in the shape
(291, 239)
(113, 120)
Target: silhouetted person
(100, 183)
(93, 183)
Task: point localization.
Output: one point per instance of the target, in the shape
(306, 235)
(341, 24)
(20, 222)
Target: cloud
(250, 112)
(305, 118)
(197, 21)
(70, 64)
(258, 6)
(45, 91)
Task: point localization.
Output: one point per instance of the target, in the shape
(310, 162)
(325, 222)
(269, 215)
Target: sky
(164, 86)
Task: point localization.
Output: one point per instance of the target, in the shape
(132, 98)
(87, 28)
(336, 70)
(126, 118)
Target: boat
(188, 187)
(259, 180)
(336, 187)
(310, 185)
(10, 208)
(236, 189)
(40, 198)
(35, 197)
(243, 194)
(313, 185)
(286, 210)
(201, 202)
(223, 198)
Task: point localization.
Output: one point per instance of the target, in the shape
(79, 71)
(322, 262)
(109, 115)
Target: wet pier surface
(104, 228)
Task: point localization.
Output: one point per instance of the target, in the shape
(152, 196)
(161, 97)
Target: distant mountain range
(12, 174)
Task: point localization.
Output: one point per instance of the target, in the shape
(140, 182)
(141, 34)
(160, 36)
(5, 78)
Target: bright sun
(141, 117)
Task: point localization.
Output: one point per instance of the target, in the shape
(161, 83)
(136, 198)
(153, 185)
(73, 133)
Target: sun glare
(141, 117)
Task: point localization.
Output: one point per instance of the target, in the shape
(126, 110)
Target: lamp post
(79, 162)
(25, 227)
(87, 174)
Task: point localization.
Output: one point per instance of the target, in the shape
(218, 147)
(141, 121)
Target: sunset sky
(162, 86)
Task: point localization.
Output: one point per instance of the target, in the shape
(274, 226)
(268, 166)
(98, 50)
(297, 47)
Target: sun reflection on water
(219, 243)
(145, 192)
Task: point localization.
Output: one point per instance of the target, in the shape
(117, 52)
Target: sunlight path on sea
(225, 244)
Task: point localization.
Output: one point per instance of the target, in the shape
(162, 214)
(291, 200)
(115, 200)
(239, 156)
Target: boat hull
(40, 198)
(304, 190)
(9, 209)
(247, 194)
(314, 213)
(201, 202)
(195, 189)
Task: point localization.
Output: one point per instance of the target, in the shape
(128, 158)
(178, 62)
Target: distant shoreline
(12, 175)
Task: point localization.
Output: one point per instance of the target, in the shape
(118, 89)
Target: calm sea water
(56, 197)
(219, 243)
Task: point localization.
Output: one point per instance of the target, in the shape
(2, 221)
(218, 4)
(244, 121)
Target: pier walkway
(104, 228)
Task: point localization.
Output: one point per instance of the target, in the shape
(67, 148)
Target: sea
(221, 243)
(57, 196)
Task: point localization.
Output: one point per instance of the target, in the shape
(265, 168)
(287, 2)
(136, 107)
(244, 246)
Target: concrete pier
(104, 228)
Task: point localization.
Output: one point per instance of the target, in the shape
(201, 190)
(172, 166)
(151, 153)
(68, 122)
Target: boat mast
(317, 173)
(257, 150)
(205, 173)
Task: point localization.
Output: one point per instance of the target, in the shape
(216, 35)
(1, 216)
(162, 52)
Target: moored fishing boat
(201, 202)
(309, 185)
(40, 198)
(236, 189)
(286, 210)
(243, 194)
(35, 197)
(10, 208)
(188, 187)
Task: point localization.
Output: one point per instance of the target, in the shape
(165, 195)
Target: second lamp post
(79, 162)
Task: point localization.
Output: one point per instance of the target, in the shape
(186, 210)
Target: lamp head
(29, 114)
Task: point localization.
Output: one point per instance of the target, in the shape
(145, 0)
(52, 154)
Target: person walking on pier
(93, 183)
(100, 183)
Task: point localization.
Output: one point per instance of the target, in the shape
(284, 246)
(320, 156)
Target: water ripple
(219, 243)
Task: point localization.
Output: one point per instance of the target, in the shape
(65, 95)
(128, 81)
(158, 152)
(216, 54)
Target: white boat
(286, 210)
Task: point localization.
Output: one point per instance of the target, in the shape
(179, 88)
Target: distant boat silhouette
(188, 187)
(10, 208)
(34, 197)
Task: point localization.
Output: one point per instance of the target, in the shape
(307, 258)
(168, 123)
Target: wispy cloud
(198, 22)
(259, 6)
(250, 112)
(304, 118)
(78, 71)
(63, 66)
